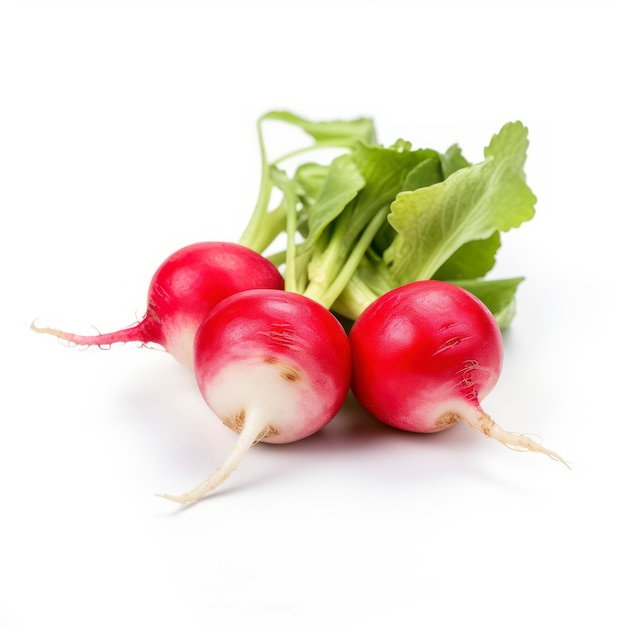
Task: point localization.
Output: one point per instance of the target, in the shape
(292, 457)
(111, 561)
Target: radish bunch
(394, 241)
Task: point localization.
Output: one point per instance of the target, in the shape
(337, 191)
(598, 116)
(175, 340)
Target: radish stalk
(265, 225)
(183, 291)
(274, 366)
(425, 355)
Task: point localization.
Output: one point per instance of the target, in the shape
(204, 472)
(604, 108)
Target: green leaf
(434, 222)
(385, 171)
(281, 180)
(472, 260)
(452, 160)
(425, 173)
(498, 295)
(339, 187)
(311, 177)
(336, 132)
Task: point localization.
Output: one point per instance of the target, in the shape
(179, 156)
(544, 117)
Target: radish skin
(274, 367)
(424, 357)
(182, 292)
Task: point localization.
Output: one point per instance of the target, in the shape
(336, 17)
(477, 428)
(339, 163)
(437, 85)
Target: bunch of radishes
(393, 241)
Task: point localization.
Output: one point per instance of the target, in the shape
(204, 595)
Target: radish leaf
(471, 204)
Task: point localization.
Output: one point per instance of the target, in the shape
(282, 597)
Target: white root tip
(251, 432)
(482, 423)
(47, 330)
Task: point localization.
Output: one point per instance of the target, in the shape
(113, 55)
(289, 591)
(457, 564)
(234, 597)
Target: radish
(274, 366)
(424, 356)
(183, 291)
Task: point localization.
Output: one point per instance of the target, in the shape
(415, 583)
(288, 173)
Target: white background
(127, 131)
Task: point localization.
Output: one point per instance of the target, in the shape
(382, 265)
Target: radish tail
(133, 333)
(482, 423)
(254, 429)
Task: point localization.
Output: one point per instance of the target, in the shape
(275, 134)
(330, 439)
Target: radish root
(483, 423)
(103, 340)
(254, 429)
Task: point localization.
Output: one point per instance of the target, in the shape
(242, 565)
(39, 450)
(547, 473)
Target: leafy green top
(377, 217)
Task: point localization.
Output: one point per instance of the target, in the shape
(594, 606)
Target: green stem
(273, 224)
(263, 226)
(277, 258)
(344, 269)
(356, 296)
(251, 232)
(318, 145)
(291, 274)
(329, 253)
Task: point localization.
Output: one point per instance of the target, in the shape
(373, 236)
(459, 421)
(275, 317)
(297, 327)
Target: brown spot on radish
(237, 422)
(287, 372)
(485, 424)
(269, 431)
(447, 419)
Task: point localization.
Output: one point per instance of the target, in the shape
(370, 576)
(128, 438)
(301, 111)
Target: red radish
(273, 366)
(424, 356)
(183, 291)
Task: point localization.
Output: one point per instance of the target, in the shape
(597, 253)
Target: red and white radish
(183, 291)
(273, 366)
(424, 356)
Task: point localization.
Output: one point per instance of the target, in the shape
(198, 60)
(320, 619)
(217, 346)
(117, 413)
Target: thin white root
(47, 330)
(482, 423)
(252, 431)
